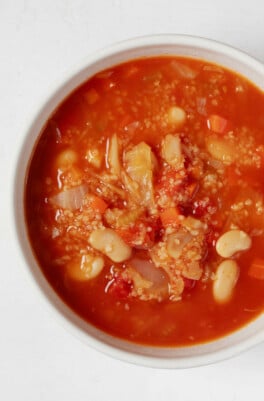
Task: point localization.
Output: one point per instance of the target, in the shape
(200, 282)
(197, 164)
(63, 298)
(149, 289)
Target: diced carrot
(169, 216)
(137, 236)
(218, 124)
(98, 204)
(256, 269)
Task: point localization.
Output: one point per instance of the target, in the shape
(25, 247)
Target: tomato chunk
(98, 204)
(119, 288)
(170, 216)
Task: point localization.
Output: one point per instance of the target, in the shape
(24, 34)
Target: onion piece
(112, 155)
(132, 127)
(176, 242)
(182, 70)
(201, 105)
(147, 269)
(71, 199)
(105, 181)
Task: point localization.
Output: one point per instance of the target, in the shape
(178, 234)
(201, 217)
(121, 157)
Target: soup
(144, 201)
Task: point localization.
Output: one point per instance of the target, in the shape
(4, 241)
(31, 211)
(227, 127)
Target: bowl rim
(53, 302)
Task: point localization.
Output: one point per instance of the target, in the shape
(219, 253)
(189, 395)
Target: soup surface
(144, 201)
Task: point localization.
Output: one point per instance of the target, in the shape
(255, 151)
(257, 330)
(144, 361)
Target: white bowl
(178, 357)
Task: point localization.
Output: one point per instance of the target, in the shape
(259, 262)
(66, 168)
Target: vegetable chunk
(139, 165)
(111, 244)
(171, 151)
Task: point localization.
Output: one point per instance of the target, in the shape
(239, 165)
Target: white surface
(39, 39)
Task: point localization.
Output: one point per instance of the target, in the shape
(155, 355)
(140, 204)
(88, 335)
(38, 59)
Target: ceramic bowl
(174, 357)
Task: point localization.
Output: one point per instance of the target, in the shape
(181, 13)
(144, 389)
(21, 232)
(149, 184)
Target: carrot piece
(98, 204)
(256, 269)
(128, 235)
(218, 124)
(138, 236)
(169, 216)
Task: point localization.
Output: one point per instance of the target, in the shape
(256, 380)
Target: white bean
(231, 242)
(87, 268)
(226, 277)
(110, 244)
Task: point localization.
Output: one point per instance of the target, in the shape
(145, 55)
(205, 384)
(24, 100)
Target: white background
(39, 40)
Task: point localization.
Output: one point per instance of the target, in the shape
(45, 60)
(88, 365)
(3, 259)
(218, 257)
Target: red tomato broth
(130, 100)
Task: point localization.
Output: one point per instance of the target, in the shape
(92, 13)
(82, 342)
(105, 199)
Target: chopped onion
(147, 269)
(55, 232)
(182, 70)
(70, 198)
(112, 155)
(201, 105)
(103, 181)
(176, 242)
